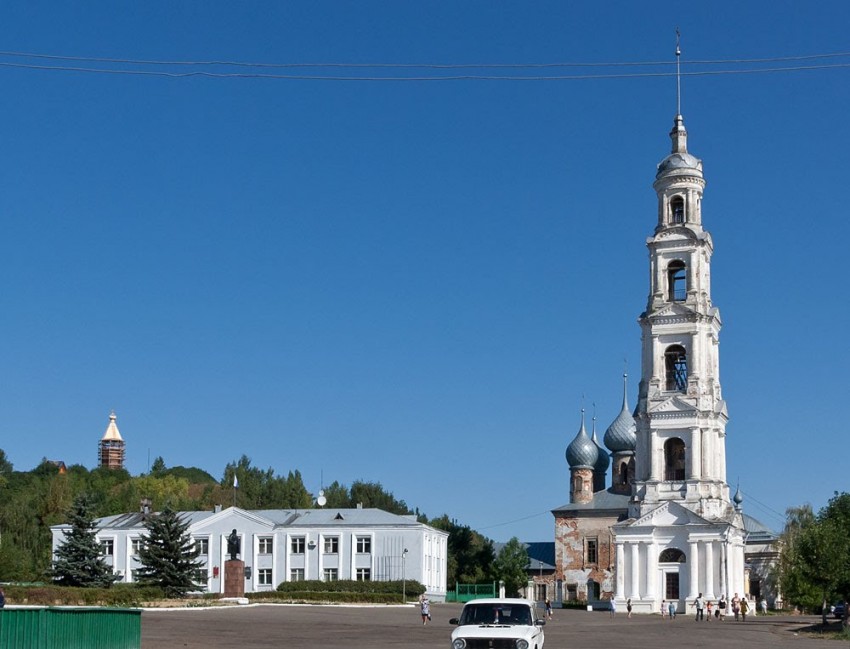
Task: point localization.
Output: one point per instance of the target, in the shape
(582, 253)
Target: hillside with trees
(51, 493)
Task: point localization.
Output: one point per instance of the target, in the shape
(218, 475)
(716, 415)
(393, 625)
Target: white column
(724, 570)
(693, 565)
(634, 587)
(620, 572)
(709, 570)
(696, 455)
(651, 592)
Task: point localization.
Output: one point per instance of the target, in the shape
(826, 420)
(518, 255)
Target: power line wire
(613, 64)
(468, 77)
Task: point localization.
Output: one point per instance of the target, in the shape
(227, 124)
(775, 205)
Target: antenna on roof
(678, 75)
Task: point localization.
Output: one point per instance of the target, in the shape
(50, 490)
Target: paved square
(356, 627)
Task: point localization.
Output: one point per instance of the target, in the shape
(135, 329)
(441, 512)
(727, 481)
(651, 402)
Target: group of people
(705, 608)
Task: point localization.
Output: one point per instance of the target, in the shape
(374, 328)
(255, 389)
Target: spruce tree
(168, 556)
(78, 560)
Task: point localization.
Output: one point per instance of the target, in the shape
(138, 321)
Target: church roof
(602, 501)
(112, 434)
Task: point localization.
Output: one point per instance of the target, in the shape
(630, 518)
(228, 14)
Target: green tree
(168, 556)
(470, 554)
(158, 466)
(78, 560)
(511, 566)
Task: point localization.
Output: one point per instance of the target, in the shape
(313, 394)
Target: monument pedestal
(234, 578)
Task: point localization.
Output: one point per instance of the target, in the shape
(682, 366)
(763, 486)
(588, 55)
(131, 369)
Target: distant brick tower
(111, 448)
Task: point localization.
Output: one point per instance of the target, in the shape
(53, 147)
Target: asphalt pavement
(375, 627)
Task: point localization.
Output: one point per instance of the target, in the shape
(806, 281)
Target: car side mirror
(540, 622)
(454, 620)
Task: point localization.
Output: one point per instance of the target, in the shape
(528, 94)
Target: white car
(498, 624)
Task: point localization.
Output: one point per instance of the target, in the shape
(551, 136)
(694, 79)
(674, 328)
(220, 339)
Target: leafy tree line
(32, 501)
(814, 568)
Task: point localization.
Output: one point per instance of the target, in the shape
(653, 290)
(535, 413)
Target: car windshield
(511, 614)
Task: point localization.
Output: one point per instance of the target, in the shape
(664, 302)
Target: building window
(364, 544)
(676, 366)
(677, 209)
(296, 574)
(671, 586)
(591, 551)
(203, 546)
(107, 548)
(572, 592)
(541, 592)
(266, 545)
(364, 574)
(297, 544)
(331, 574)
(331, 545)
(674, 459)
(677, 281)
(264, 577)
(136, 546)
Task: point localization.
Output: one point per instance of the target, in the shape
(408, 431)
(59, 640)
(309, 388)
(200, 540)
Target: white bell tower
(681, 416)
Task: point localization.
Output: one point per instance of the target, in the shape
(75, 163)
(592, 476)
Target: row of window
(298, 545)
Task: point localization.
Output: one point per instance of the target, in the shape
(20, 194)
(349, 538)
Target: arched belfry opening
(674, 459)
(677, 281)
(677, 210)
(676, 368)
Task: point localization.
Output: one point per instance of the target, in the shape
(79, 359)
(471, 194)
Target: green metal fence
(70, 628)
(467, 592)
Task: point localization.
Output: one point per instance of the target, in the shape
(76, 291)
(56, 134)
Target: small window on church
(591, 551)
(623, 473)
(677, 209)
(677, 281)
(676, 366)
(674, 459)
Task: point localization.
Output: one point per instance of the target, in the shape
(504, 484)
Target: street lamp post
(403, 577)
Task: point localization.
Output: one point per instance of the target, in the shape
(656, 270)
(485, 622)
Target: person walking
(548, 605)
(736, 606)
(699, 602)
(613, 606)
(663, 608)
(671, 610)
(629, 607)
(425, 609)
(745, 608)
(708, 606)
(721, 608)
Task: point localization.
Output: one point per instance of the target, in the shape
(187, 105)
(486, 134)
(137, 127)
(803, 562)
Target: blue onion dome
(622, 433)
(582, 452)
(738, 498)
(603, 461)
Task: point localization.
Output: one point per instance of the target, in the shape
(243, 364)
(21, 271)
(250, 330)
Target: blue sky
(412, 282)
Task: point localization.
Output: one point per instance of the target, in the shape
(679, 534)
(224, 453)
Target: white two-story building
(290, 545)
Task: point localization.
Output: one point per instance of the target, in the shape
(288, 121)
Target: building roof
(758, 532)
(541, 554)
(296, 518)
(112, 434)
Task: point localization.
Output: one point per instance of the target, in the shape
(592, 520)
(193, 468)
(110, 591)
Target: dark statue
(233, 544)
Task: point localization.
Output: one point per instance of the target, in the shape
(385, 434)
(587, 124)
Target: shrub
(411, 588)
